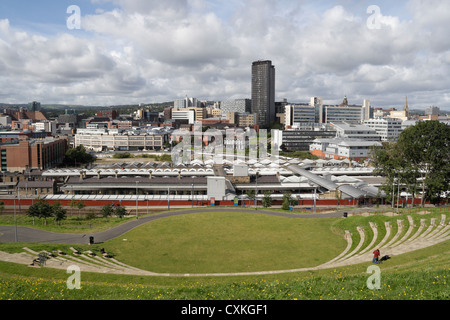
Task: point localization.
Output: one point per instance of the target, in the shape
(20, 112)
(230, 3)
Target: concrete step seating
(407, 238)
(86, 261)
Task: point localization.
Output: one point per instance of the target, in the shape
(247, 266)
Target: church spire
(406, 104)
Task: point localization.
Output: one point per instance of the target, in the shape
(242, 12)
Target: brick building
(27, 153)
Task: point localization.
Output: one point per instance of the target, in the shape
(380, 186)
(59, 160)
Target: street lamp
(137, 213)
(315, 191)
(256, 189)
(15, 220)
(393, 197)
(18, 194)
(168, 198)
(192, 194)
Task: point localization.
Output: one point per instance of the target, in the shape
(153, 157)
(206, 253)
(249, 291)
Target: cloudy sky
(144, 51)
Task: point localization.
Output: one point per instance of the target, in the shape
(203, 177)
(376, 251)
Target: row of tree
(266, 201)
(419, 162)
(42, 209)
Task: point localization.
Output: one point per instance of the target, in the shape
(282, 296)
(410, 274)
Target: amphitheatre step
(419, 230)
(388, 228)
(371, 245)
(397, 234)
(407, 234)
(348, 238)
(358, 247)
(410, 241)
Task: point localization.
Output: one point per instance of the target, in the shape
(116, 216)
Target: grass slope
(227, 242)
(418, 275)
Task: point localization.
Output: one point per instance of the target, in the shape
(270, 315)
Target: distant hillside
(55, 109)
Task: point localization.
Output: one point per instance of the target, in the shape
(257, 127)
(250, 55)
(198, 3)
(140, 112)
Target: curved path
(25, 234)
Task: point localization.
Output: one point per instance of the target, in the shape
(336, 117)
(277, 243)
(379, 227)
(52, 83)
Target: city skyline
(130, 52)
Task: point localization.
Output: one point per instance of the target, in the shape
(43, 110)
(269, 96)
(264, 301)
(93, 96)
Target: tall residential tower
(263, 91)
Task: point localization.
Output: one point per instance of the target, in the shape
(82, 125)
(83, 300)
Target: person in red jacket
(376, 255)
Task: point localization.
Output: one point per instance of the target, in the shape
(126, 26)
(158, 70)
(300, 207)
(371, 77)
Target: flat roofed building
(355, 131)
(130, 141)
(387, 128)
(26, 153)
(354, 114)
(300, 138)
(339, 149)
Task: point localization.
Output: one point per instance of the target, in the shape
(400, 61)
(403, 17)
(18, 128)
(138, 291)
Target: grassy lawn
(227, 242)
(421, 275)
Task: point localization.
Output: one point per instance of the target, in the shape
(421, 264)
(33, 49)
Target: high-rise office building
(263, 91)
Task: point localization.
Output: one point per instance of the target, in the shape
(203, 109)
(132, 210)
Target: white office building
(297, 114)
(340, 149)
(186, 103)
(184, 115)
(389, 129)
(104, 139)
(316, 112)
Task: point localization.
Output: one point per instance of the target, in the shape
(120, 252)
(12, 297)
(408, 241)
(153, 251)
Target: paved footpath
(26, 234)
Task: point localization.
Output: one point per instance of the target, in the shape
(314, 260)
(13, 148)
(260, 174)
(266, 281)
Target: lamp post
(168, 198)
(312, 184)
(315, 191)
(137, 213)
(18, 194)
(393, 197)
(192, 194)
(256, 189)
(15, 221)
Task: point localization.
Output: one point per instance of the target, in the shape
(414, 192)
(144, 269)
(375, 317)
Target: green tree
(80, 205)
(78, 155)
(285, 205)
(419, 158)
(427, 147)
(74, 204)
(58, 212)
(267, 200)
(120, 211)
(107, 211)
(91, 215)
(251, 194)
(40, 209)
(286, 201)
